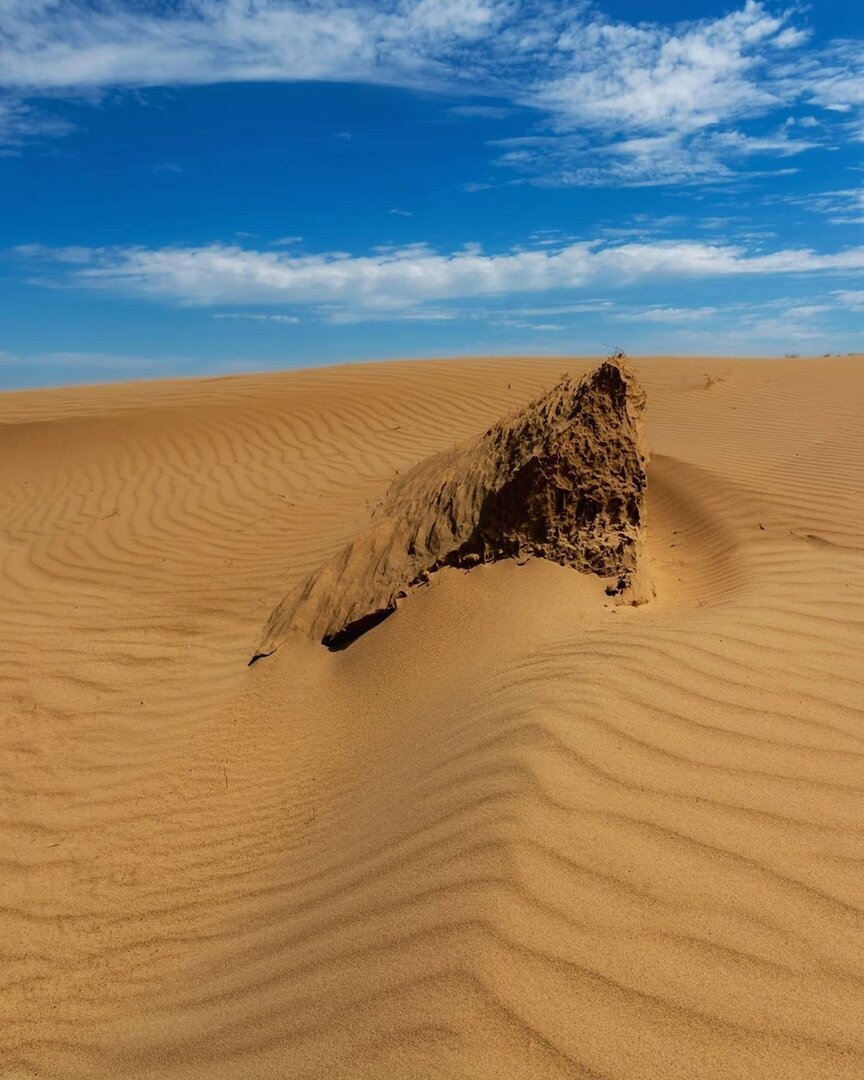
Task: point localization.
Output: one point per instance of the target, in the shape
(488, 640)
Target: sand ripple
(514, 831)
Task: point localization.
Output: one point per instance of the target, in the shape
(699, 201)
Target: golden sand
(515, 831)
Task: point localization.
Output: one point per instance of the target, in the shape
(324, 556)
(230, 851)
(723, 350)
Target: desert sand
(518, 830)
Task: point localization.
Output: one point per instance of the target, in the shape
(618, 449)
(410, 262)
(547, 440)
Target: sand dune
(516, 830)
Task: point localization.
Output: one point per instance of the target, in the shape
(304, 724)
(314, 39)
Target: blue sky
(209, 186)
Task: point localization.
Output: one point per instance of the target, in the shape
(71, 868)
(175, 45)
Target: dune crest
(562, 479)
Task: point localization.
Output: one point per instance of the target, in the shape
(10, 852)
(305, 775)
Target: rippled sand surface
(515, 831)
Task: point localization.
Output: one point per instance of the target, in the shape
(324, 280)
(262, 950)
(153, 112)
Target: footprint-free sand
(517, 830)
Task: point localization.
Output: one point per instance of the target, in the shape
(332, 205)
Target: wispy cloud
(853, 299)
(522, 324)
(74, 360)
(756, 330)
(28, 369)
(50, 48)
(581, 307)
(482, 112)
(644, 161)
(658, 104)
(666, 315)
(833, 78)
(124, 43)
(781, 324)
(844, 206)
(342, 315)
(21, 122)
(256, 317)
(661, 104)
(394, 279)
(53, 368)
(653, 78)
(621, 103)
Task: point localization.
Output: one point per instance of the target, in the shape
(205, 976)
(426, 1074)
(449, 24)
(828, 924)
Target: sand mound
(562, 479)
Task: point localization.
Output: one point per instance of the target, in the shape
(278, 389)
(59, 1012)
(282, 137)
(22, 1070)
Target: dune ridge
(517, 830)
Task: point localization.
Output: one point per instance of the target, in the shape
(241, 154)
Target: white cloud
(288, 319)
(628, 104)
(343, 316)
(116, 43)
(834, 77)
(640, 161)
(654, 78)
(790, 38)
(401, 213)
(20, 122)
(807, 311)
(853, 299)
(49, 47)
(842, 207)
(667, 315)
(74, 255)
(778, 142)
(645, 160)
(391, 280)
(520, 315)
(110, 363)
(785, 329)
(780, 325)
(481, 112)
(579, 308)
(668, 104)
(523, 324)
(57, 368)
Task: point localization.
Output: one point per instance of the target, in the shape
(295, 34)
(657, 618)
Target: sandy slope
(514, 831)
